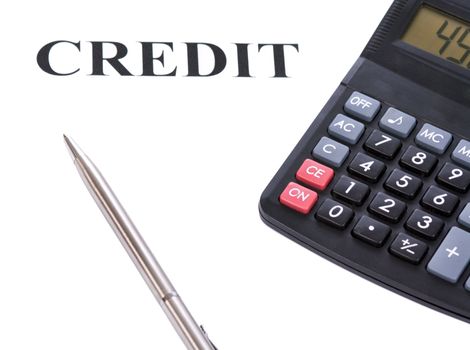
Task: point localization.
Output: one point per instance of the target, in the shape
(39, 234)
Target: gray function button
(461, 153)
(330, 152)
(346, 129)
(362, 106)
(464, 217)
(452, 257)
(433, 139)
(397, 123)
(467, 285)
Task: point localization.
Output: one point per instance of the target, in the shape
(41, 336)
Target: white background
(189, 158)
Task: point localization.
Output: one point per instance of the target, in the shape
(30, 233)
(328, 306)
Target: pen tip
(72, 147)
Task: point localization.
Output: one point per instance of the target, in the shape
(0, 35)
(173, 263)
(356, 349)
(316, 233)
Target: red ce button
(315, 174)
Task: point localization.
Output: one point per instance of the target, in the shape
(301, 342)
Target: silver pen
(192, 335)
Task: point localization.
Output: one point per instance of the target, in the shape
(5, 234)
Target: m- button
(433, 139)
(452, 256)
(461, 154)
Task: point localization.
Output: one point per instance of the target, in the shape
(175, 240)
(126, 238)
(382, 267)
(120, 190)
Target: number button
(371, 231)
(440, 201)
(408, 248)
(334, 214)
(366, 167)
(387, 207)
(418, 160)
(403, 184)
(454, 177)
(424, 224)
(350, 190)
(382, 144)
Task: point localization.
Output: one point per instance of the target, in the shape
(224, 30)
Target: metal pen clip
(192, 335)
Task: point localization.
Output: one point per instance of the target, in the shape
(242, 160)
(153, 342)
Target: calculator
(379, 183)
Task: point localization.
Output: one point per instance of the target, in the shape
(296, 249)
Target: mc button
(433, 139)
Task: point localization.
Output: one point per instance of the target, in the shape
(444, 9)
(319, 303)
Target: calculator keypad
(392, 195)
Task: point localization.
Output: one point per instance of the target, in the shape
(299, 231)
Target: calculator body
(406, 225)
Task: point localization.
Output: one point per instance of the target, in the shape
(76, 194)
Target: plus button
(452, 252)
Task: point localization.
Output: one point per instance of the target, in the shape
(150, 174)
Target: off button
(362, 106)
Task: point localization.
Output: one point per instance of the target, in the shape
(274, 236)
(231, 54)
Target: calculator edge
(286, 232)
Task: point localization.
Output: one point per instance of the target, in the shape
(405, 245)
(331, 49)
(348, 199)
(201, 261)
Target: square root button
(452, 257)
(397, 123)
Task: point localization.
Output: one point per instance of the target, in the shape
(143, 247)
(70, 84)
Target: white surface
(188, 157)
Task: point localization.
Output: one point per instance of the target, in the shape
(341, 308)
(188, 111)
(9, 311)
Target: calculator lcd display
(440, 34)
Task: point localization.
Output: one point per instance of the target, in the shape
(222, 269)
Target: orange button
(298, 198)
(315, 174)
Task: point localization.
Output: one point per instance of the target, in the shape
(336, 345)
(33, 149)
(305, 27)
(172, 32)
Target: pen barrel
(190, 333)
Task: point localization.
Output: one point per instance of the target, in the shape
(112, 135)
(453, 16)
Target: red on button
(315, 174)
(298, 198)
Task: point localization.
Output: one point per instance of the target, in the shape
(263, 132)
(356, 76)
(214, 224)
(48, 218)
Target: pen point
(72, 147)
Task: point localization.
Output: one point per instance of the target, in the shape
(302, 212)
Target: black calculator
(379, 183)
